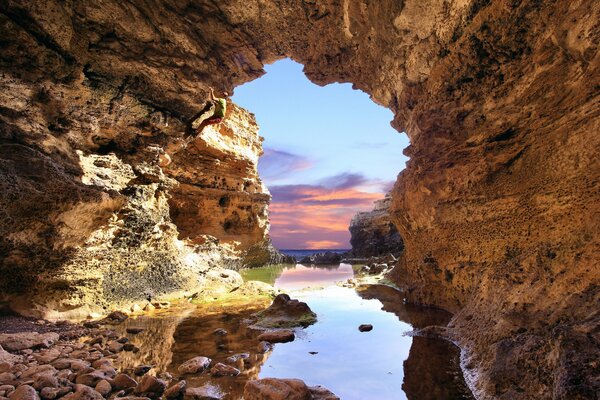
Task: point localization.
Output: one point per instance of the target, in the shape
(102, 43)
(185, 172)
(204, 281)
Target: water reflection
(381, 364)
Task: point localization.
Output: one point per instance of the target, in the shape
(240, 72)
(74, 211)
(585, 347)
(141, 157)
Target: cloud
(317, 216)
(277, 164)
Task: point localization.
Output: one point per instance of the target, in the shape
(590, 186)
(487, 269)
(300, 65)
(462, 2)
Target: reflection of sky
(304, 277)
(352, 364)
(329, 152)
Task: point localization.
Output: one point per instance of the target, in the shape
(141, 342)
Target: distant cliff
(373, 233)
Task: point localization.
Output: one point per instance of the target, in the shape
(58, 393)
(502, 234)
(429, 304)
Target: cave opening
(329, 152)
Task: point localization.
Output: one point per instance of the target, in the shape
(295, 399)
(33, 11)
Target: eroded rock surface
(498, 206)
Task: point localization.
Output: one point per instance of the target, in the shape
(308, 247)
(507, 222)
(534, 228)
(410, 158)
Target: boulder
(285, 312)
(27, 340)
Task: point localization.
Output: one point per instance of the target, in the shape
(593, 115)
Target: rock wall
(90, 219)
(498, 206)
(373, 233)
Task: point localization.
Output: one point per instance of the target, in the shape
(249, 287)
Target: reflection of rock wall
(373, 233)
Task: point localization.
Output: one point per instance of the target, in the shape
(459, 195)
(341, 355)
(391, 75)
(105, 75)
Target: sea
(300, 253)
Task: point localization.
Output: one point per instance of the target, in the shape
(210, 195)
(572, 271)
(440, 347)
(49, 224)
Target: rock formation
(498, 206)
(373, 233)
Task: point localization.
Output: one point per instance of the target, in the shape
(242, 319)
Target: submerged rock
(221, 369)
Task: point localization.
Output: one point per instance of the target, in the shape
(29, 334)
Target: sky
(329, 152)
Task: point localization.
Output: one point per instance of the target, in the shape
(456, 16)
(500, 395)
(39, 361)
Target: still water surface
(381, 364)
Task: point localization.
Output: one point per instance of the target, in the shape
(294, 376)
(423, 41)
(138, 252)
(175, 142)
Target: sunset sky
(329, 153)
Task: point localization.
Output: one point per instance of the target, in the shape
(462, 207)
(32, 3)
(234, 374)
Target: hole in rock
(329, 152)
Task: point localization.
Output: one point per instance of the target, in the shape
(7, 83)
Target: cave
(497, 208)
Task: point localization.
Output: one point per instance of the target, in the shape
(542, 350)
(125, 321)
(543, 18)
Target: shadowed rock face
(498, 206)
(373, 233)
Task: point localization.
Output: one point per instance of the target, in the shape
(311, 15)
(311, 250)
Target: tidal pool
(384, 363)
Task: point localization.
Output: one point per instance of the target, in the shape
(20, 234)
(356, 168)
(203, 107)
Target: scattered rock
(279, 336)
(365, 327)
(221, 369)
(44, 381)
(116, 317)
(90, 379)
(27, 340)
(150, 386)
(194, 365)
(236, 357)
(115, 347)
(123, 381)
(103, 387)
(49, 393)
(24, 392)
(134, 331)
(83, 392)
(176, 391)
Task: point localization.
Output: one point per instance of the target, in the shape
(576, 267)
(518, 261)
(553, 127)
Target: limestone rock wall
(373, 233)
(498, 206)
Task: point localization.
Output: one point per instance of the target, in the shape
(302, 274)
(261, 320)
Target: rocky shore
(40, 360)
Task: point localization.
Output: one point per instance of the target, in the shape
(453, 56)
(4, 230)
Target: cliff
(498, 206)
(373, 233)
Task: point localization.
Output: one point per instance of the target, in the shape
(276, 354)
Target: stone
(47, 356)
(123, 381)
(24, 392)
(278, 336)
(194, 365)
(134, 330)
(115, 346)
(151, 386)
(7, 378)
(117, 316)
(221, 369)
(45, 380)
(91, 378)
(27, 340)
(365, 327)
(276, 389)
(49, 393)
(36, 370)
(176, 391)
(103, 387)
(83, 392)
(7, 360)
(322, 393)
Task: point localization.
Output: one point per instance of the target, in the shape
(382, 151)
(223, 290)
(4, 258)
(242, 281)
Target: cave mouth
(329, 152)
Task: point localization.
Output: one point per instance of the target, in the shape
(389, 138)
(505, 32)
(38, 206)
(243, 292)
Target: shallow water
(381, 364)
